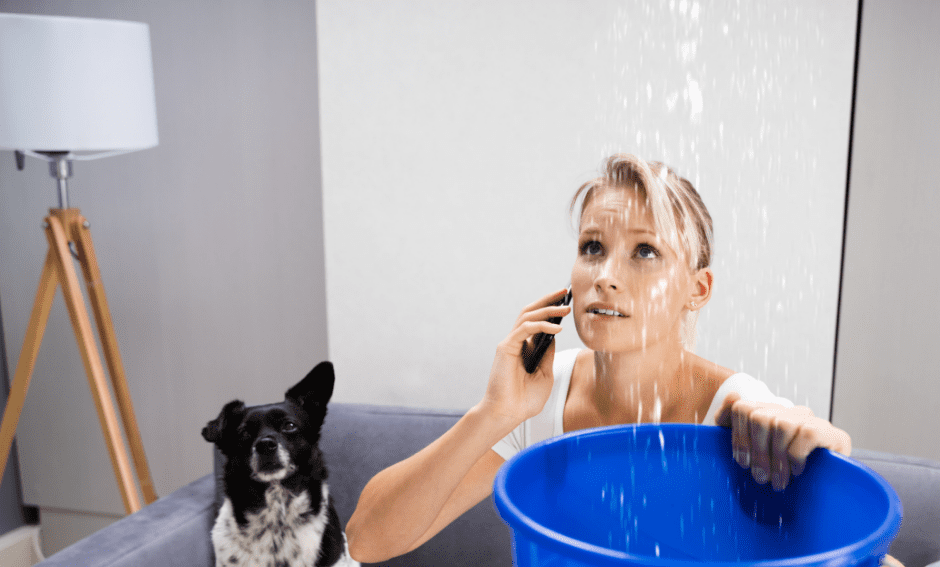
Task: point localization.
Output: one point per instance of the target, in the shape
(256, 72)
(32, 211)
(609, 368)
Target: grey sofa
(360, 440)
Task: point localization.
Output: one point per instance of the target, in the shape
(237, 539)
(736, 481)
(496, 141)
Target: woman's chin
(604, 343)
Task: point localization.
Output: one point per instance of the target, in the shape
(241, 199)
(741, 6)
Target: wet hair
(679, 214)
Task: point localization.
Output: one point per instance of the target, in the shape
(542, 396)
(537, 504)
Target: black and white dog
(277, 508)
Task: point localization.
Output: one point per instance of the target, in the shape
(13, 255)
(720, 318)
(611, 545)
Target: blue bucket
(672, 495)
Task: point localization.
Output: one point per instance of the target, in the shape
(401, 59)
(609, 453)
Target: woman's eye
(646, 252)
(289, 427)
(592, 248)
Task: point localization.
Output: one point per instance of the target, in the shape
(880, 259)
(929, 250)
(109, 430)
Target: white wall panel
(454, 135)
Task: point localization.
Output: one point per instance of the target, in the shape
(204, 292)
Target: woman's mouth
(608, 312)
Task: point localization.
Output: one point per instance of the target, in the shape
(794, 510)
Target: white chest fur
(282, 533)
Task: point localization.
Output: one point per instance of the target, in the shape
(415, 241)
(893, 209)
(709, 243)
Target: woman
(641, 276)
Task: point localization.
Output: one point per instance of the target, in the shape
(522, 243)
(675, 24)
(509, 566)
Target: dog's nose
(266, 446)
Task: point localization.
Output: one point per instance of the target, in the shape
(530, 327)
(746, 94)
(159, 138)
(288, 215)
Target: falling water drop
(662, 448)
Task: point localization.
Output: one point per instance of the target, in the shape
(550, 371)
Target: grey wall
(887, 386)
(11, 499)
(210, 246)
(454, 135)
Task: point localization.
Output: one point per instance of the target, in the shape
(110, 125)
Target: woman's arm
(406, 504)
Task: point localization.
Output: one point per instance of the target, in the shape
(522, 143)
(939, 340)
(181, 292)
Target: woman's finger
(732, 414)
(545, 301)
(723, 417)
(784, 431)
(814, 433)
(741, 433)
(526, 330)
(760, 421)
(544, 313)
(802, 445)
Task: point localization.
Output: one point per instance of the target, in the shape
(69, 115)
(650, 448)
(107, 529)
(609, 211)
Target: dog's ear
(219, 428)
(315, 390)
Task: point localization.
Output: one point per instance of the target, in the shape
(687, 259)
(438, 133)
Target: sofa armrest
(917, 482)
(171, 532)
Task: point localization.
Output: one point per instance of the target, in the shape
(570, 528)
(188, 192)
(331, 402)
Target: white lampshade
(75, 84)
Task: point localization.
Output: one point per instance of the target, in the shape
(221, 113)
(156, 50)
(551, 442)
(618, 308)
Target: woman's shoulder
(726, 381)
(708, 372)
(709, 378)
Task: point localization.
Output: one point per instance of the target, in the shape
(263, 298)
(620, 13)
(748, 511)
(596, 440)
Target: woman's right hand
(512, 392)
(407, 503)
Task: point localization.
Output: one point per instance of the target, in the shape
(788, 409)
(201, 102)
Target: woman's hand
(512, 392)
(774, 441)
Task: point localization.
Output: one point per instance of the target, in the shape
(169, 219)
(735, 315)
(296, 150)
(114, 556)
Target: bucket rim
(878, 542)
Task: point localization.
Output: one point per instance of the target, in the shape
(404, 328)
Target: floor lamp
(74, 89)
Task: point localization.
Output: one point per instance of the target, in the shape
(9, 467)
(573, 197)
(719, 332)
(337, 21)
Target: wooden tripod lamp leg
(27, 360)
(81, 325)
(99, 303)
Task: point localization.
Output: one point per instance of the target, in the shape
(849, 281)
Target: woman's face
(630, 289)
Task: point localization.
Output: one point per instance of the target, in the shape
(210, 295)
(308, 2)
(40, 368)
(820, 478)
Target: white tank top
(550, 422)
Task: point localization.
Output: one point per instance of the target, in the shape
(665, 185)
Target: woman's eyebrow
(591, 230)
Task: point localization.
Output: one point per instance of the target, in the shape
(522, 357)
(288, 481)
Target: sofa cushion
(917, 482)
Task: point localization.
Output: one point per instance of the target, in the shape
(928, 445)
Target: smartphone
(531, 357)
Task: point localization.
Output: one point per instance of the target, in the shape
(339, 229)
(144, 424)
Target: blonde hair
(679, 214)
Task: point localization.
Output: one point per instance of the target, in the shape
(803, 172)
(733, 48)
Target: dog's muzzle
(266, 446)
(270, 461)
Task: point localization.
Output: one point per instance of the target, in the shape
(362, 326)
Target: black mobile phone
(531, 357)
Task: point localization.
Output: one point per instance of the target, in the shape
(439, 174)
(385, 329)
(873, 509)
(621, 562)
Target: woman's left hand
(774, 441)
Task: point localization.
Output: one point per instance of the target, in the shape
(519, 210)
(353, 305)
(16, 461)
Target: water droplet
(695, 99)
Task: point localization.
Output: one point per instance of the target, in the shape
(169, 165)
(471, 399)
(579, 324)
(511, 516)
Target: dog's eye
(289, 427)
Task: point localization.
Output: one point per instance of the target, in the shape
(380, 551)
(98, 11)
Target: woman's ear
(702, 282)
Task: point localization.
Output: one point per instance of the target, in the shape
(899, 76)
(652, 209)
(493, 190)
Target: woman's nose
(603, 283)
(607, 277)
